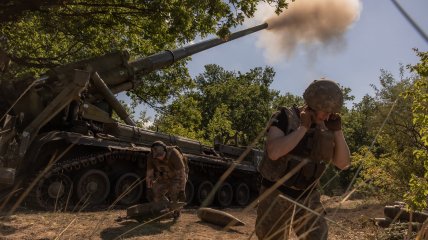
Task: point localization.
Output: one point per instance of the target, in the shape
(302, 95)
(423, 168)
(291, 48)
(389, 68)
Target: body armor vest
(164, 169)
(317, 145)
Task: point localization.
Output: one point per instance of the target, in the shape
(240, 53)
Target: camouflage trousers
(166, 188)
(276, 216)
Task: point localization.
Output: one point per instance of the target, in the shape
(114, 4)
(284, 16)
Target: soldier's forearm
(341, 156)
(279, 144)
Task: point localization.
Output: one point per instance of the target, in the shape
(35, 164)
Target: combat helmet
(158, 148)
(324, 95)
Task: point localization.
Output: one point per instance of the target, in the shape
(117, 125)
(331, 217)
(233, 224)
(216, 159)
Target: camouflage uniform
(170, 175)
(276, 215)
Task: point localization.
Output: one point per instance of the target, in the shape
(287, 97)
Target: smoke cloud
(310, 24)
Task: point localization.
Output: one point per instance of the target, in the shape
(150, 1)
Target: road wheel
(54, 192)
(225, 195)
(204, 190)
(128, 189)
(242, 194)
(92, 187)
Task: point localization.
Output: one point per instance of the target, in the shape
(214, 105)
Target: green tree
(387, 118)
(39, 35)
(418, 193)
(182, 117)
(227, 103)
(357, 126)
(143, 120)
(220, 125)
(247, 96)
(287, 100)
(358, 123)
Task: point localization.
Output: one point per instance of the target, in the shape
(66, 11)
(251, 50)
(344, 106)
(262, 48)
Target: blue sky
(380, 39)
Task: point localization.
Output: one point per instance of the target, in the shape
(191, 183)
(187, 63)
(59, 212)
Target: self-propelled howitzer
(58, 131)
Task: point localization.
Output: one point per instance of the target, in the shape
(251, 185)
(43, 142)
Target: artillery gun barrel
(114, 69)
(116, 73)
(77, 99)
(166, 58)
(120, 74)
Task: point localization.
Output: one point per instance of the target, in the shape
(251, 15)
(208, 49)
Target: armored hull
(84, 169)
(59, 142)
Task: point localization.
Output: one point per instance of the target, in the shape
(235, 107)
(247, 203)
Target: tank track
(36, 197)
(61, 171)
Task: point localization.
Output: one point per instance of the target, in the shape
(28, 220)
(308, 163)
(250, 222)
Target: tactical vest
(185, 160)
(317, 145)
(164, 169)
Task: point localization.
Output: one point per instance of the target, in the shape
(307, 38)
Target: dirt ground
(351, 221)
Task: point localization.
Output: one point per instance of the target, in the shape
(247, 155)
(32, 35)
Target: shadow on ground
(6, 229)
(218, 228)
(135, 229)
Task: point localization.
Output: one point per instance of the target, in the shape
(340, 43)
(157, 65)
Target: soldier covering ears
(312, 132)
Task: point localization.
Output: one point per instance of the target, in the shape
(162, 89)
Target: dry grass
(352, 218)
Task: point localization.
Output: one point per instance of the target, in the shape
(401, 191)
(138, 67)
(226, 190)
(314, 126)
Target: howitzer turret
(70, 107)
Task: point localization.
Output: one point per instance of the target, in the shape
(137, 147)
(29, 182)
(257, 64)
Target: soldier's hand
(305, 118)
(334, 122)
(181, 196)
(150, 196)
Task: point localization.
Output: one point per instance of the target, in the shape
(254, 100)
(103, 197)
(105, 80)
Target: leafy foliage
(226, 103)
(38, 35)
(247, 96)
(220, 124)
(418, 193)
(358, 122)
(183, 117)
(384, 136)
(382, 176)
(287, 100)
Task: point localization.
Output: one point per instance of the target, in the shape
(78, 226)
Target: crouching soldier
(166, 174)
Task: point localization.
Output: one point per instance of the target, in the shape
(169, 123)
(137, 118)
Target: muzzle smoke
(312, 24)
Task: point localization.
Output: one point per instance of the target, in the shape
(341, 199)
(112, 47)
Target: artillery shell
(218, 217)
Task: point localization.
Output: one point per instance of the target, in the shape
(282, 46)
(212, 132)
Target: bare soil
(351, 221)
